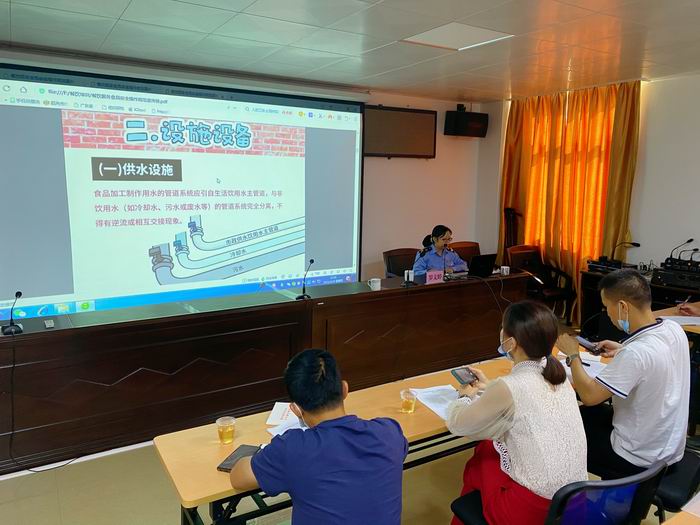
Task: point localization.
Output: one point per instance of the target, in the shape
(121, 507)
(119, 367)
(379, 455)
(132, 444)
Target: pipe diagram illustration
(280, 241)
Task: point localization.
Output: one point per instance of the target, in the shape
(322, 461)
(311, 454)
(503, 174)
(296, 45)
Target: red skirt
(504, 501)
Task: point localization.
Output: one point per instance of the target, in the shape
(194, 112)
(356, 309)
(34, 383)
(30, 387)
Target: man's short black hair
(313, 380)
(628, 285)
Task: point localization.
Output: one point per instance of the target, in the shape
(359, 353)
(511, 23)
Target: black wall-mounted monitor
(399, 132)
(466, 124)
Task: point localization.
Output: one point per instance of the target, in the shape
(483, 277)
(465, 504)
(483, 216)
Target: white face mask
(503, 351)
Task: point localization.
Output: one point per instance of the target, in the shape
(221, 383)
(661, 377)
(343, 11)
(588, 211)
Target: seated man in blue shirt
(437, 255)
(343, 469)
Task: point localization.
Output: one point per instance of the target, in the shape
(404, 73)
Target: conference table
(684, 518)
(675, 312)
(190, 457)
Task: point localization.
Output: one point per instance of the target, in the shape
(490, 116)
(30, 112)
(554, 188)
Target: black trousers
(603, 461)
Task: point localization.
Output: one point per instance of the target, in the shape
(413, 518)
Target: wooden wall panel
(82, 390)
(396, 333)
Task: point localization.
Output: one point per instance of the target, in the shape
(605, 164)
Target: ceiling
(557, 44)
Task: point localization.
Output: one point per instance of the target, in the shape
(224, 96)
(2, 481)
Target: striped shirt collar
(643, 330)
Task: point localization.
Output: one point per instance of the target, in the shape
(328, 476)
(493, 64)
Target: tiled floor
(132, 488)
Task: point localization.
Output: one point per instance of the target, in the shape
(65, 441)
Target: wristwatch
(570, 358)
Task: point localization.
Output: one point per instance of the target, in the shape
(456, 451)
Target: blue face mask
(624, 324)
(503, 351)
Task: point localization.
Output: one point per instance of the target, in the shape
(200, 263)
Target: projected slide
(147, 197)
(232, 261)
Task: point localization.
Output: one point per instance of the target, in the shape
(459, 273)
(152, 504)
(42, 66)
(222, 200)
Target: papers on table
(281, 413)
(595, 366)
(683, 320)
(436, 398)
(283, 419)
(287, 425)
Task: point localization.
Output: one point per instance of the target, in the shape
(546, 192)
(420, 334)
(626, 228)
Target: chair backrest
(466, 249)
(524, 256)
(624, 501)
(398, 260)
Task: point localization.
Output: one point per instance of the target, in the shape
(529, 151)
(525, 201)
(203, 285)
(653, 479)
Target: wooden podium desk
(107, 379)
(190, 456)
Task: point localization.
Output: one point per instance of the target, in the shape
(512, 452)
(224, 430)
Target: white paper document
(281, 413)
(436, 398)
(283, 427)
(683, 320)
(595, 366)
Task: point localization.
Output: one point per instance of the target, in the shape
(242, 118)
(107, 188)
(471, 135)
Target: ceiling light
(457, 37)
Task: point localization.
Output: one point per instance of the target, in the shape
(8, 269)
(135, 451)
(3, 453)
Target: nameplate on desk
(433, 277)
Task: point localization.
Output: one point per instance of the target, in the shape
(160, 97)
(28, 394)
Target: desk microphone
(444, 264)
(13, 328)
(680, 245)
(532, 275)
(304, 295)
(624, 243)
(693, 250)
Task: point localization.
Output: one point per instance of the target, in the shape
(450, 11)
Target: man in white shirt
(648, 380)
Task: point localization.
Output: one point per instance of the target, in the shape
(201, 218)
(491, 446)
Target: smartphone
(591, 347)
(241, 452)
(464, 376)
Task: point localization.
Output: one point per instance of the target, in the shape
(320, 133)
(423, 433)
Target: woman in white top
(529, 421)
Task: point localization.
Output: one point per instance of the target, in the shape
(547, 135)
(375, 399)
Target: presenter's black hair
(437, 232)
(535, 328)
(313, 380)
(627, 285)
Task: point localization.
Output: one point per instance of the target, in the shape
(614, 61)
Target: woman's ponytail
(554, 371)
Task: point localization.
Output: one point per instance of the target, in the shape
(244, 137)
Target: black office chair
(624, 501)
(398, 260)
(466, 249)
(556, 285)
(678, 485)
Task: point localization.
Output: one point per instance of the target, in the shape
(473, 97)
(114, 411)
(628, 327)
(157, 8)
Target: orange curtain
(623, 164)
(556, 171)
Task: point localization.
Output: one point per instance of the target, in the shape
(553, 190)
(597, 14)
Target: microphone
(13, 328)
(680, 254)
(623, 243)
(532, 275)
(444, 267)
(304, 295)
(681, 244)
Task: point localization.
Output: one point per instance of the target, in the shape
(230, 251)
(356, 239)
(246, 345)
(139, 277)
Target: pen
(584, 363)
(684, 302)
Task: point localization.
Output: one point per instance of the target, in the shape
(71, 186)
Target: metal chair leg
(660, 512)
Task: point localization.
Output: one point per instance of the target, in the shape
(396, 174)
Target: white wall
(665, 207)
(488, 188)
(405, 198)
